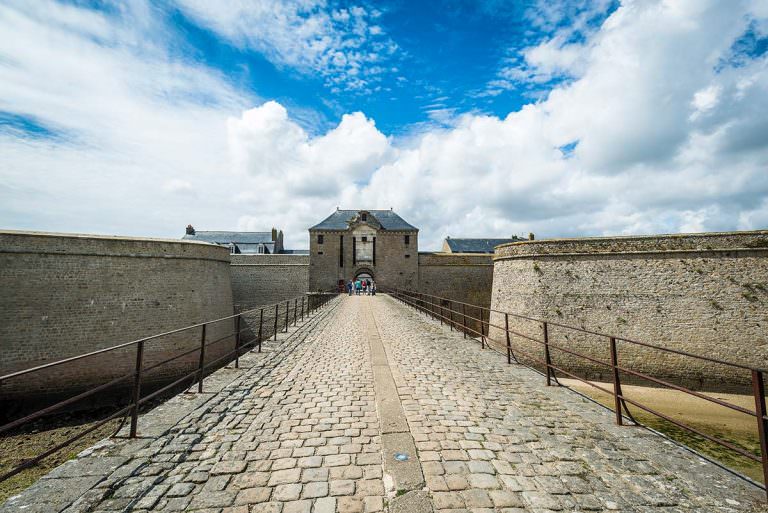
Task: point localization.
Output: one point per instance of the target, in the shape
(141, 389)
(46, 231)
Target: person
(349, 287)
(358, 286)
(373, 288)
(365, 287)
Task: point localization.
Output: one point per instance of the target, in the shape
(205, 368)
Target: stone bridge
(369, 406)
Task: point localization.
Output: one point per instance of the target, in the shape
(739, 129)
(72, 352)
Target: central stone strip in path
(402, 469)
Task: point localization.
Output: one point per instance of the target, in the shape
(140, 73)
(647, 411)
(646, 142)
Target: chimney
(190, 229)
(531, 236)
(274, 234)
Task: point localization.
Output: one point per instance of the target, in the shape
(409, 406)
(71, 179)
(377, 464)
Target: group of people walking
(365, 286)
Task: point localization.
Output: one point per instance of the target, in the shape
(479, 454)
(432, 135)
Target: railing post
(547, 359)
(616, 382)
(287, 307)
(450, 313)
(295, 310)
(237, 341)
(758, 388)
(277, 314)
(302, 308)
(464, 318)
(261, 327)
(482, 328)
(201, 368)
(137, 388)
(509, 341)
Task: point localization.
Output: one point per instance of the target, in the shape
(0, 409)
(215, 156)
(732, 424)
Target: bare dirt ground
(36, 438)
(732, 426)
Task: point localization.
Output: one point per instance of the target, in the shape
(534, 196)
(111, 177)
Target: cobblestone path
(491, 435)
(299, 430)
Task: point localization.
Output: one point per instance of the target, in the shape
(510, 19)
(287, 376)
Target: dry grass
(35, 439)
(715, 420)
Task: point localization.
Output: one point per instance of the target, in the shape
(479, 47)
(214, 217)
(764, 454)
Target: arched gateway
(363, 274)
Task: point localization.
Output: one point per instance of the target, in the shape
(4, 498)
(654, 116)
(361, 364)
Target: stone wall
(460, 277)
(63, 295)
(702, 293)
(259, 280)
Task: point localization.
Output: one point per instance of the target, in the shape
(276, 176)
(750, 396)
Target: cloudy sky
(476, 118)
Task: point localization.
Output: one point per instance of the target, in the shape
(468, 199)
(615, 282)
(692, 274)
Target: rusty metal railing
(477, 323)
(286, 312)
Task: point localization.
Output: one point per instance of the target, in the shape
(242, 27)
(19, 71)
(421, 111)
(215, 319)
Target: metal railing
(475, 321)
(286, 312)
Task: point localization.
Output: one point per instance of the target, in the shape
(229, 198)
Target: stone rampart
(259, 280)
(458, 276)
(706, 294)
(63, 295)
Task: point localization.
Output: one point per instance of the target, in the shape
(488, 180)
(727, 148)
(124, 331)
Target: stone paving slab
(491, 436)
(145, 474)
(298, 429)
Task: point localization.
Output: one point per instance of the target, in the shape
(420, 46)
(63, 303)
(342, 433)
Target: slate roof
(476, 245)
(236, 237)
(388, 219)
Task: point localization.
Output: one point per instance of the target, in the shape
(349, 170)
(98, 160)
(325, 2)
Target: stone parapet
(706, 294)
(63, 295)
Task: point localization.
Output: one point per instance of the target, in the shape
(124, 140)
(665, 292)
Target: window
(319, 239)
(407, 239)
(407, 256)
(365, 217)
(365, 239)
(319, 252)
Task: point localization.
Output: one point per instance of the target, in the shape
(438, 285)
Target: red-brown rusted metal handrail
(427, 304)
(309, 303)
(590, 332)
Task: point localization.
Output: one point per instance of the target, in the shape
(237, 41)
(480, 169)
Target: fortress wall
(702, 293)
(63, 295)
(259, 280)
(459, 276)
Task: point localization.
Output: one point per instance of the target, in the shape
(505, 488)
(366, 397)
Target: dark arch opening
(362, 274)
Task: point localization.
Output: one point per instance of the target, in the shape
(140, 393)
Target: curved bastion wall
(706, 294)
(63, 295)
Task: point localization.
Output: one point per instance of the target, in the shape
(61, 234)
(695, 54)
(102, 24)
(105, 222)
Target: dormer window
(364, 217)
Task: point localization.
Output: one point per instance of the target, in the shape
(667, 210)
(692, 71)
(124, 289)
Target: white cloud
(642, 164)
(137, 144)
(134, 127)
(308, 35)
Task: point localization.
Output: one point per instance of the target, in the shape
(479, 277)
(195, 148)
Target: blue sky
(437, 62)
(561, 117)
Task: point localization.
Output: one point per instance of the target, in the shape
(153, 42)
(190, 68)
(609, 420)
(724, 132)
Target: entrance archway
(363, 274)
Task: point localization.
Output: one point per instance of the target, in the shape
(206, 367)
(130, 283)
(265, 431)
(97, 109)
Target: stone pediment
(364, 218)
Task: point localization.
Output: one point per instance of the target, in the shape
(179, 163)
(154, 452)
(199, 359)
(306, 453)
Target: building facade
(363, 243)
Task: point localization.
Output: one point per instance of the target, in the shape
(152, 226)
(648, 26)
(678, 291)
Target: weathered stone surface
(690, 292)
(506, 441)
(496, 439)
